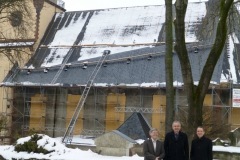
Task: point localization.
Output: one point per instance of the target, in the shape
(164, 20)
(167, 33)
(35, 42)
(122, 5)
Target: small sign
(236, 98)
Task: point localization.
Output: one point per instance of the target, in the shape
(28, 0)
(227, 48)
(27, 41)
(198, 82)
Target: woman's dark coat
(176, 149)
(201, 149)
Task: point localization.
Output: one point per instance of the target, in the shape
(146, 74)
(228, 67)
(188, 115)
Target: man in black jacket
(201, 148)
(176, 144)
(152, 147)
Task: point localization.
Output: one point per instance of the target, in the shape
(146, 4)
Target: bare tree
(3, 123)
(15, 28)
(212, 125)
(196, 94)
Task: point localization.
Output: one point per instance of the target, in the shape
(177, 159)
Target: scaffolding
(46, 109)
(69, 131)
(49, 109)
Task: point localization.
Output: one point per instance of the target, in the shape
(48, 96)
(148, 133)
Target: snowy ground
(59, 151)
(64, 153)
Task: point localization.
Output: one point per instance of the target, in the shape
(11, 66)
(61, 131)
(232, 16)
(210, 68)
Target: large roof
(74, 38)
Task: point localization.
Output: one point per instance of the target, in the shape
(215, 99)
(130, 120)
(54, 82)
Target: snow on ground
(229, 149)
(59, 151)
(81, 140)
(64, 153)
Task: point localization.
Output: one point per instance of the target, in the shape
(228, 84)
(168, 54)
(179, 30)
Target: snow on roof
(81, 36)
(87, 53)
(237, 5)
(67, 35)
(122, 25)
(231, 51)
(194, 15)
(231, 61)
(235, 129)
(16, 44)
(125, 25)
(29, 84)
(143, 85)
(140, 141)
(116, 26)
(222, 141)
(56, 56)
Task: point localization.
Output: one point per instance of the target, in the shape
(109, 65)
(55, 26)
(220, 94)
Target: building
(131, 78)
(21, 33)
(114, 143)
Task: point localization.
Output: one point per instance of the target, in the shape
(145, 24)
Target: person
(152, 147)
(176, 144)
(201, 147)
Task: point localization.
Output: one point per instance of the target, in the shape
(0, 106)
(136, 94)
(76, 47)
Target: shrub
(31, 146)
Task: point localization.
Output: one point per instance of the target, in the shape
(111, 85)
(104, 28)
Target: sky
(77, 5)
(59, 151)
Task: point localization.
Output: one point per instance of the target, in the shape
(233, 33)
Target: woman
(201, 148)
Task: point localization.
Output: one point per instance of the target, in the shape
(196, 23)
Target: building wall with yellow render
(9, 31)
(114, 119)
(158, 119)
(235, 120)
(29, 23)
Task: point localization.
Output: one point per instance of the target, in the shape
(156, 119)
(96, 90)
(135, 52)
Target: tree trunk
(208, 69)
(169, 67)
(180, 48)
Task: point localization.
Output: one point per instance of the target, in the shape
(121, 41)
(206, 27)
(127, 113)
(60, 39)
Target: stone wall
(112, 144)
(137, 149)
(234, 137)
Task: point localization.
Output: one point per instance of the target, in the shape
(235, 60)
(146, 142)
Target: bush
(31, 146)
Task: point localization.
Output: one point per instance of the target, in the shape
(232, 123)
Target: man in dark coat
(152, 147)
(201, 148)
(176, 144)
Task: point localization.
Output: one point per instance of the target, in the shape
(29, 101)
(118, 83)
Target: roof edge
(54, 4)
(98, 9)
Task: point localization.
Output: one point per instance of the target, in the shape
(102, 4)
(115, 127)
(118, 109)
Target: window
(15, 18)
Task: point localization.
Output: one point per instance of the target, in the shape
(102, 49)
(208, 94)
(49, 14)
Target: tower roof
(136, 127)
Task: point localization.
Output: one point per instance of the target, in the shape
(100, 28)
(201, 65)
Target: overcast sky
(77, 5)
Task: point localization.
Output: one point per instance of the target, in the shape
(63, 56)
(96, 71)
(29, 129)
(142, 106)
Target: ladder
(62, 66)
(68, 136)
